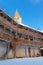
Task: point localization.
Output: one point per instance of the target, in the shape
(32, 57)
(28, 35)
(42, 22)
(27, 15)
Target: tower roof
(17, 17)
(16, 14)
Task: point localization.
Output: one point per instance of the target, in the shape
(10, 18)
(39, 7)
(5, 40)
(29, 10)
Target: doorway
(41, 50)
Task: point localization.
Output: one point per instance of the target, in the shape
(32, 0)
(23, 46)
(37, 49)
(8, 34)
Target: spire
(17, 17)
(16, 14)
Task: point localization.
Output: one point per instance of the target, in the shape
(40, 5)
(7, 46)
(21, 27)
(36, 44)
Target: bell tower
(17, 17)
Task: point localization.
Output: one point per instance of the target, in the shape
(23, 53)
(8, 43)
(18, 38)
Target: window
(5, 17)
(41, 33)
(1, 28)
(13, 33)
(14, 22)
(35, 31)
(26, 28)
(26, 36)
(31, 38)
(41, 39)
(1, 20)
(20, 26)
(0, 10)
(19, 34)
(1, 14)
(9, 19)
(31, 30)
(38, 39)
(7, 30)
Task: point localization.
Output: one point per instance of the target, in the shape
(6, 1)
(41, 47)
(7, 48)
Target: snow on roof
(42, 31)
(32, 28)
(5, 12)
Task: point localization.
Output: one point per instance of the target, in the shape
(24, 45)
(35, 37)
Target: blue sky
(31, 11)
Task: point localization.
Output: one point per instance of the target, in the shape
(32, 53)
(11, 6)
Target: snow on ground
(23, 61)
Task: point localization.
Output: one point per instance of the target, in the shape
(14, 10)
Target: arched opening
(41, 50)
(10, 52)
(4, 45)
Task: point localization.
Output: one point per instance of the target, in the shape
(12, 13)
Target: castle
(18, 40)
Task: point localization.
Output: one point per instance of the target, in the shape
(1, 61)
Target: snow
(42, 31)
(23, 61)
(32, 28)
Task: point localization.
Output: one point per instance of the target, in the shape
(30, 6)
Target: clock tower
(17, 17)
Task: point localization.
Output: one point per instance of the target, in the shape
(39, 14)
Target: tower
(17, 17)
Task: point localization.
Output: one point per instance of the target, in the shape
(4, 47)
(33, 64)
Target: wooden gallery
(18, 40)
